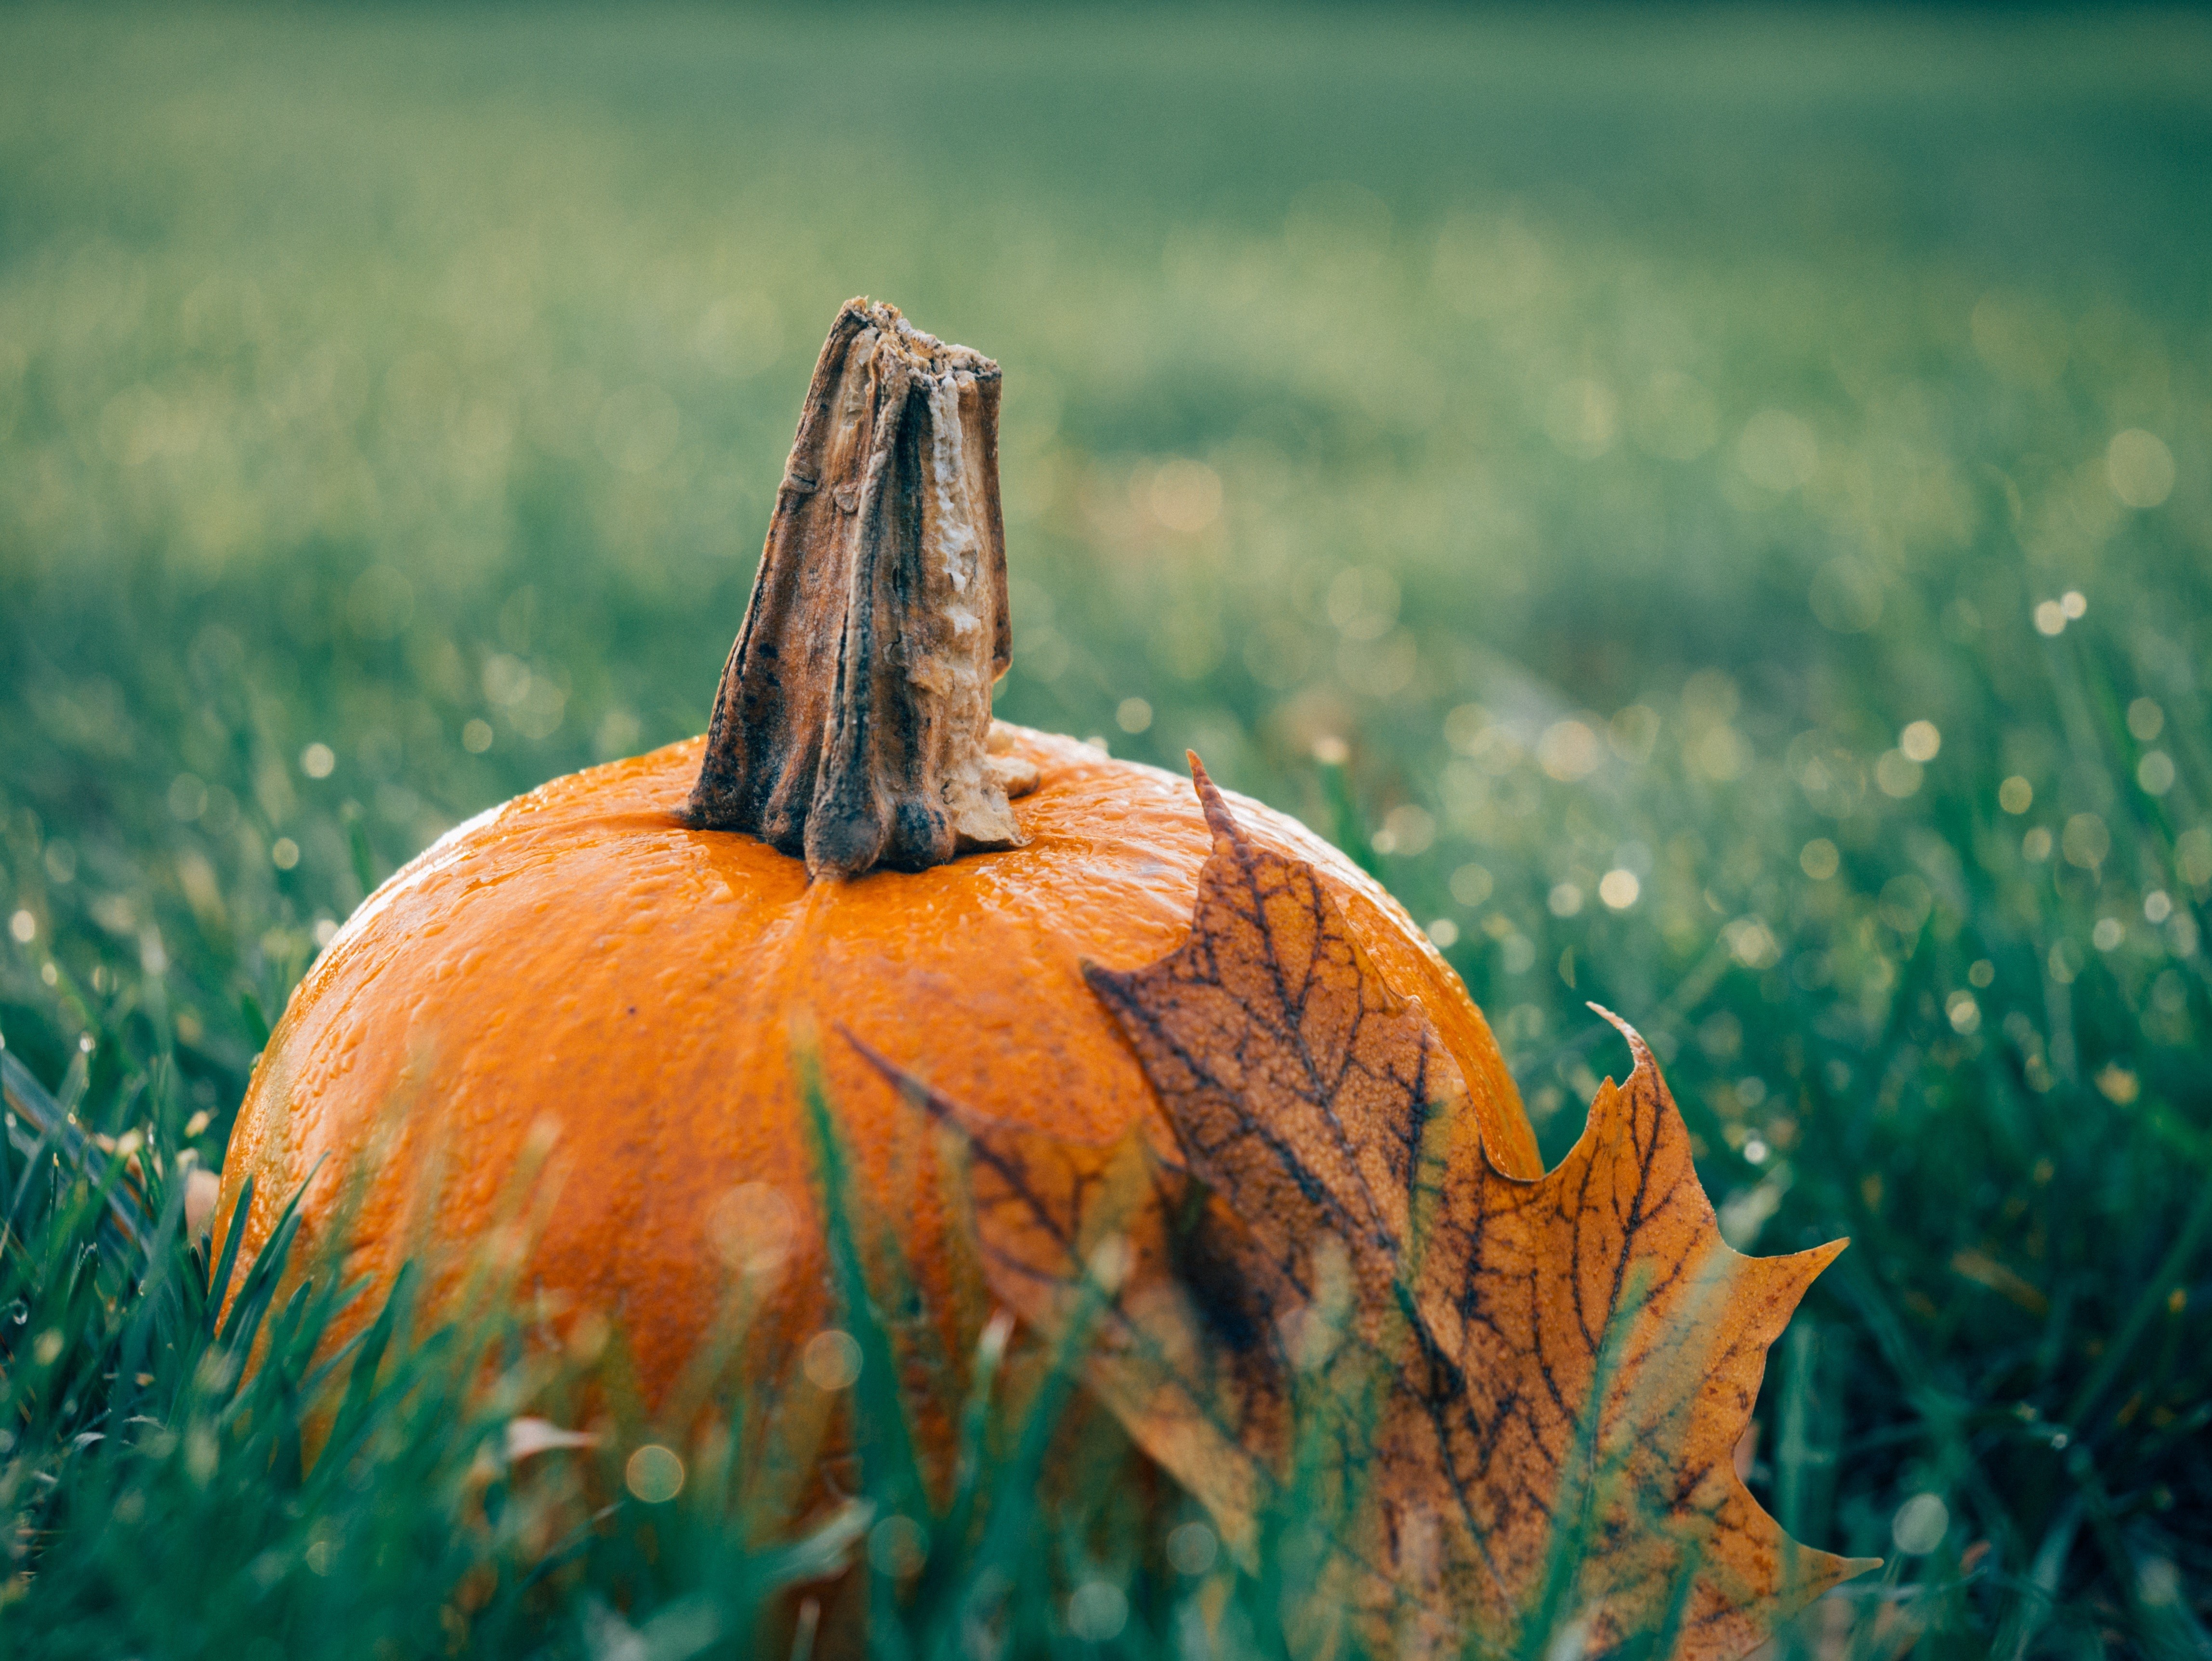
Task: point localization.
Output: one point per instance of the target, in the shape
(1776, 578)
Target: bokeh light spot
(898, 1547)
(2086, 842)
(753, 1228)
(1568, 751)
(1191, 1549)
(655, 1474)
(1897, 774)
(1096, 1612)
(831, 1359)
(1920, 1525)
(1185, 496)
(2139, 468)
(1408, 830)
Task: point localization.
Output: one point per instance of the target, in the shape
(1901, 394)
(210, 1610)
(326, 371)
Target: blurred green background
(1713, 506)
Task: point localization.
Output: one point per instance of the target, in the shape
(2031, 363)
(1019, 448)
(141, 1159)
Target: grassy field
(1716, 510)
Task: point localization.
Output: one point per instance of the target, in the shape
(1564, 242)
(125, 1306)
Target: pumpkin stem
(852, 726)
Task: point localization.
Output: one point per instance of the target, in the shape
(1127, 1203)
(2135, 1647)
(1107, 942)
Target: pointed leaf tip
(1636, 1048)
(1217, 817)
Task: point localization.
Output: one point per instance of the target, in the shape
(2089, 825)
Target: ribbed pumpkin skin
(582, 956)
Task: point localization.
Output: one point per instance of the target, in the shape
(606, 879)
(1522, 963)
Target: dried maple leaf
(1488, 1411)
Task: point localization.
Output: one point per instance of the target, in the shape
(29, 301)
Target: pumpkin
(617, 964)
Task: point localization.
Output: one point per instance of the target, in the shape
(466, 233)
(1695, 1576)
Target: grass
(1567, 459)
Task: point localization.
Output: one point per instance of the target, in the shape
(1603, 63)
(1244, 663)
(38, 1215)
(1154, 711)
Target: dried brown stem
(853, 724)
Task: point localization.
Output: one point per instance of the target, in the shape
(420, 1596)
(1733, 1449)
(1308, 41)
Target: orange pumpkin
(624, 955)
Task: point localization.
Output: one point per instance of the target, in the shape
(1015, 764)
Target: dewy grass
(154, 1477)
(1600, 443)
(189, 1446)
